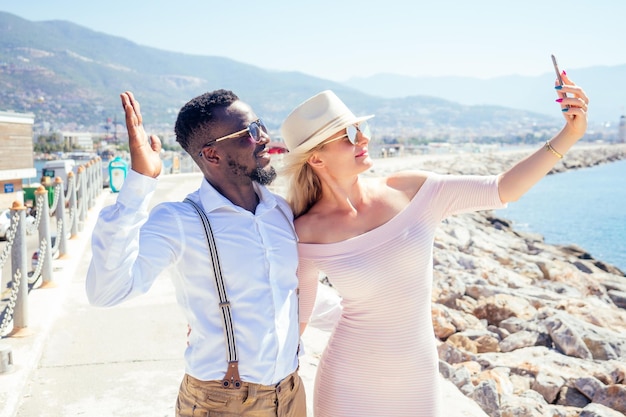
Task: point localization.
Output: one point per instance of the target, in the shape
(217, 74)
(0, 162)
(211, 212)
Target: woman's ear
(314, 161)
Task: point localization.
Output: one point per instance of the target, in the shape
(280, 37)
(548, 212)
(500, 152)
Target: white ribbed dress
(381, 359)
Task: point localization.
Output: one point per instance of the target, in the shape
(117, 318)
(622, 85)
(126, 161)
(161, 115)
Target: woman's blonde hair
(304, 188)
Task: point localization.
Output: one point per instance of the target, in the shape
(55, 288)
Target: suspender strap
(231, 379)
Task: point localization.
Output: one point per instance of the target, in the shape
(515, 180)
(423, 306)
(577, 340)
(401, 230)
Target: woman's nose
(361, 137)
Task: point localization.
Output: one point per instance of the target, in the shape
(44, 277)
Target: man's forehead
(238, 109)
(237, 112)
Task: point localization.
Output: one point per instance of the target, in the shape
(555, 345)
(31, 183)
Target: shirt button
(280, 389)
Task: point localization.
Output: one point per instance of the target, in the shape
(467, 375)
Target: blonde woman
(374, 238)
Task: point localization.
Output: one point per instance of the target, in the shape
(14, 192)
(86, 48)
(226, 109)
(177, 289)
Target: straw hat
(315, 120)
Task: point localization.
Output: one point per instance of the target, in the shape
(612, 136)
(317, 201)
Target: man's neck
(244, 196)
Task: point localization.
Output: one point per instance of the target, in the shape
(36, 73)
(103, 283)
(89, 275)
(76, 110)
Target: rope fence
(55, 222)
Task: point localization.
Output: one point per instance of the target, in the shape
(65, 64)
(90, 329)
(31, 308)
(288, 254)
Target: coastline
(498, 160)
(579, 157)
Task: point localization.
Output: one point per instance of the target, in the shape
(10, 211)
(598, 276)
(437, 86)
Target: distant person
(242, 354)
(373, 239)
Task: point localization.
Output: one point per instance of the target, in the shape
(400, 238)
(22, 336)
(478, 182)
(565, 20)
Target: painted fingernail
(564, 73)
(564, 110)
(558, 87)
(558, 100)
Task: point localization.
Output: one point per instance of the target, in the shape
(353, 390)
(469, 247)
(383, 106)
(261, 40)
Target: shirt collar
(212, 200)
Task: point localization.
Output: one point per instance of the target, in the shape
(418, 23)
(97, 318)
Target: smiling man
(231, 249)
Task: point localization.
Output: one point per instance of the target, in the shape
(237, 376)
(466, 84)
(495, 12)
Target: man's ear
(210, 154)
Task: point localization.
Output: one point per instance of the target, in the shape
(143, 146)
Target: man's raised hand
(144, 151)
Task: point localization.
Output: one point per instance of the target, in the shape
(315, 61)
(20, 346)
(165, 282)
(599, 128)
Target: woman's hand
(574, 108)
(144, 152)
(522, 176)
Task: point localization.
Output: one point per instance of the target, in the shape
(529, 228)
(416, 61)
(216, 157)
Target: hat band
(321, 129)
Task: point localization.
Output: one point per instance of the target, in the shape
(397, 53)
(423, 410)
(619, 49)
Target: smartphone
(558, 75)
(556, 68)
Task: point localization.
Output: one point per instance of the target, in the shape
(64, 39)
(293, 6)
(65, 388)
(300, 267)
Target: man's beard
(263, 176)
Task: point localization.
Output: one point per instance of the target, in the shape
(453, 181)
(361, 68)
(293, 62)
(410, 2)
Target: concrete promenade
(79, 360)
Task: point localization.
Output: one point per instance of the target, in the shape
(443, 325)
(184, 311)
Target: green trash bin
(30, 196)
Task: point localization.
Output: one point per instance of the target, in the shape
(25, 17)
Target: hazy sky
(336, 39)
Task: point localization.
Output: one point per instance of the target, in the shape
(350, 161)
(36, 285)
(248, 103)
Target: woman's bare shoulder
(308, 226)
(409, 182)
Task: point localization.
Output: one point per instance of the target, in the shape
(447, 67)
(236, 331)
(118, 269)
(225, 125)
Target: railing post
(6, 358)
(62, 230)
(94, 184)
(43, 211)
(47, 183)
(90, 185)
(73, 226)
(18, 269)
(80, 194)
(99, 180)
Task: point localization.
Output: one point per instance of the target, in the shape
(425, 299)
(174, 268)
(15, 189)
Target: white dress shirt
(258, 257)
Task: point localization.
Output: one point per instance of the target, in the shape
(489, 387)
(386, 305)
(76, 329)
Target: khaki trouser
(208, 398)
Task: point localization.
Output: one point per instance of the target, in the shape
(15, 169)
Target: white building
(16, 155)
(81, 140)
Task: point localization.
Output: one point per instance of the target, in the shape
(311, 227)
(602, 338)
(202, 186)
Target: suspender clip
(231, 379)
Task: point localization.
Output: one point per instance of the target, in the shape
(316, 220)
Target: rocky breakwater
(525, 328)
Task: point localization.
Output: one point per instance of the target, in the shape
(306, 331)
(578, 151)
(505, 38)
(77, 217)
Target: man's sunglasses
(254, 129)
(352, 131)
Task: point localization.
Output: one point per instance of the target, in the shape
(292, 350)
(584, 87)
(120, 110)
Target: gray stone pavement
(79, 360)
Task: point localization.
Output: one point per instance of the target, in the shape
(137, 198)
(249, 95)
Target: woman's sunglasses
(352, 131)
(254, 129)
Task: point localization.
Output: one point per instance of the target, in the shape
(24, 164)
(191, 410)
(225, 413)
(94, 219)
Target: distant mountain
(602, 84)
(63, 73)
(70, 77)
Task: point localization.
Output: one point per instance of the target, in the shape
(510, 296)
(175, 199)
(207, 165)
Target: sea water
(586, 207)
